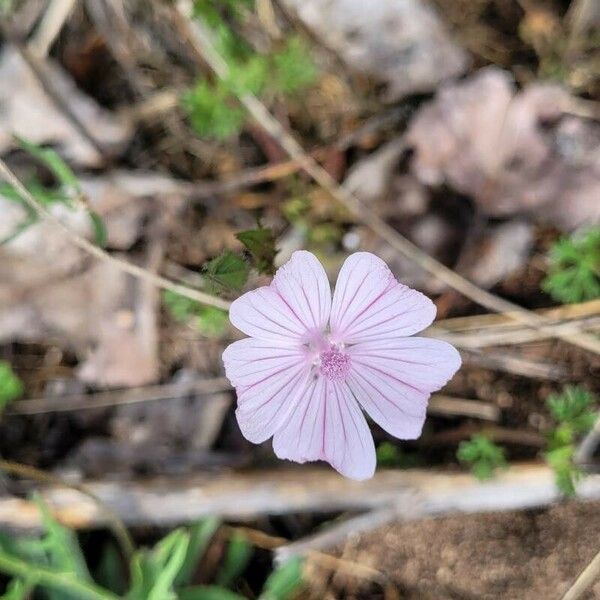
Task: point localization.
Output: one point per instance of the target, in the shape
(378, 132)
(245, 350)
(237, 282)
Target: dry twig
(166, 502)
(47, 31)
(585, 580)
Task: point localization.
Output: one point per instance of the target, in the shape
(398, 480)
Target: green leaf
(154, 571)
(483, 456)
(239, 552)
(99, 228)
(208, 592)
(284, 581)
(180, 307)
(211, 321)
(294, 68)
(201, 534)
(574, 268)
(62, 545)
(261, 245)
(249, 77)
(11, 386)
(227, 272)
(573, 407)
(53, 161)
(388, 455)
(17, 589)
(573, 414)
(213, 111)
(110, 572)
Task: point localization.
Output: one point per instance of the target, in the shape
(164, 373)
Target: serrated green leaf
(213, 111)
(251, 77)
(294, 68)
(483, 456)
(260, 243)
(227, 273)
(574, 268)
(284, 581)
(573, 414)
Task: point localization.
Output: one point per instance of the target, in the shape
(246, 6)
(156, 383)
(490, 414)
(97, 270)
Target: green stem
(52, 579)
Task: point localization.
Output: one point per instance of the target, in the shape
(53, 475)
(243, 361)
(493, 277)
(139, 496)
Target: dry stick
(494, 322)
(54, 18)
(504, 336)
(100, 254)
(167, 502)
(503, 361)
(114, 521)
(265, 541)
(439, 404)
(153, 393)
(202, 45)
(585, 580)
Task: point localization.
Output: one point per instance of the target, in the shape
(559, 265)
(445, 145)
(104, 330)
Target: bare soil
(530, 555)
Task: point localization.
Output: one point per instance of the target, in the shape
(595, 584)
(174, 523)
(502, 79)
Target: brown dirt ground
(531, 555)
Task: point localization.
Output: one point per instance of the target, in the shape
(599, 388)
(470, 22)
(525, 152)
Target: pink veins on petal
(314, 362)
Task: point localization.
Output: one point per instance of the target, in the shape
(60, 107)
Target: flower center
(334, 363)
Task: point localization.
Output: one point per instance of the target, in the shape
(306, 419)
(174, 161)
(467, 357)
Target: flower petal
(303, 284)
(263, 314)
(296, 303)
(369, 304)
(393, 379)
(264, 407)
(251, 361)
(327, 424)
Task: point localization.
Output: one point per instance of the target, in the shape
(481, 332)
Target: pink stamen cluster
(334, 363)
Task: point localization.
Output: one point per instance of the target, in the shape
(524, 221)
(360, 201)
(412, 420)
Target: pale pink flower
(312, 363)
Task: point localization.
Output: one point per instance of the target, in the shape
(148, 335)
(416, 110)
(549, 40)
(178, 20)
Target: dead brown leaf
(512, 152)
(400, 43)
(28, 111)
(49, 290)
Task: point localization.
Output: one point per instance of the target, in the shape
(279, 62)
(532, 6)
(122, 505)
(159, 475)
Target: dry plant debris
(513, 152)
(401, 44)
(28, 111)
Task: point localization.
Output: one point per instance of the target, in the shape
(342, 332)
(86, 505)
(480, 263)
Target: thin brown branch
(100, 254)
(199, 39)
